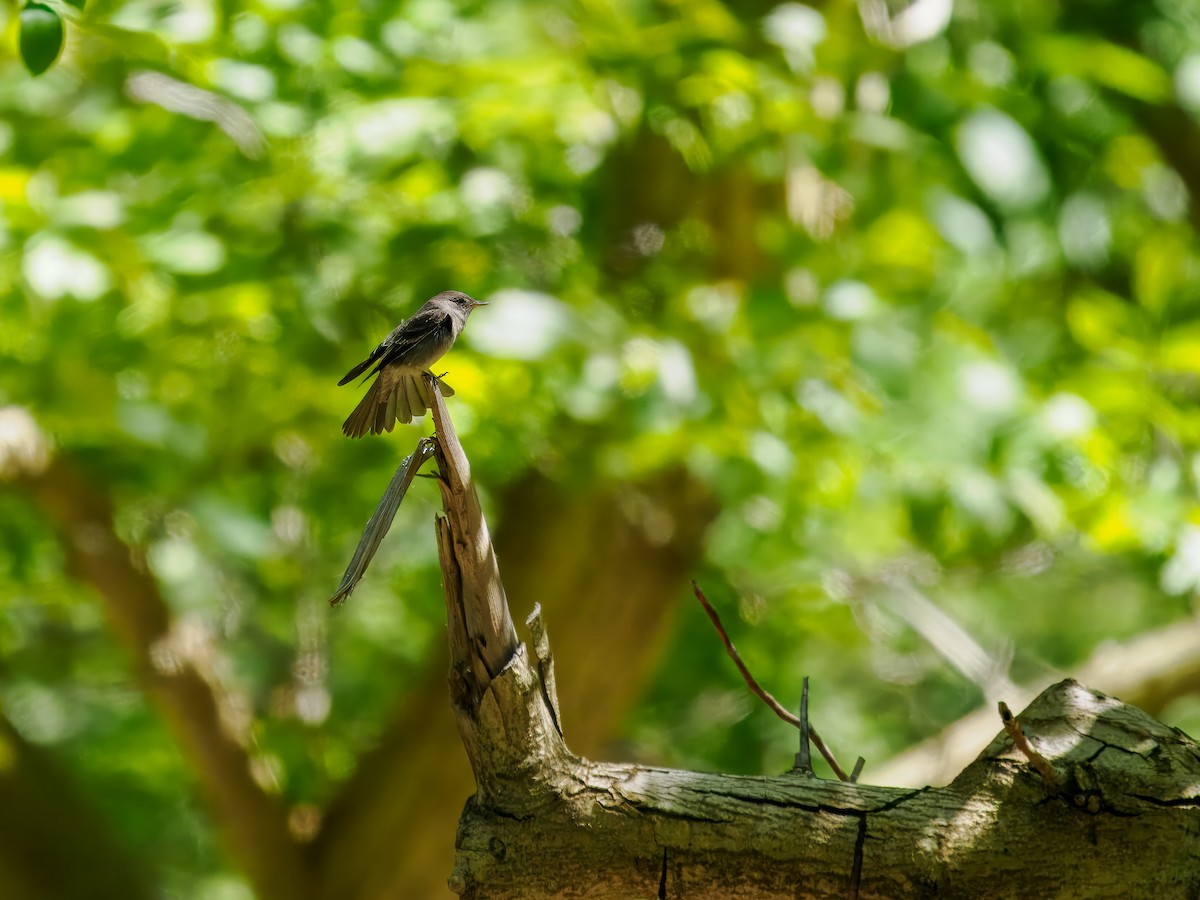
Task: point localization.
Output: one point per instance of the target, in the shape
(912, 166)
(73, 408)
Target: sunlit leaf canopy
(914, 294)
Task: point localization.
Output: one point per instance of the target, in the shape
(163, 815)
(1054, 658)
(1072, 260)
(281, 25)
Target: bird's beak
(482, 303)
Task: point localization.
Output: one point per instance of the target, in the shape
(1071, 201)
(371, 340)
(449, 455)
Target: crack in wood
(859, 843)
(1174, 802)
(892, 804)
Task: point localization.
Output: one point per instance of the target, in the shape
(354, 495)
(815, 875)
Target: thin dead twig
(1016, 734)
(764, 695)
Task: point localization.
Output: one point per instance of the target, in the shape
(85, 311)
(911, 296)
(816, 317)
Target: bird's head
(458, 301)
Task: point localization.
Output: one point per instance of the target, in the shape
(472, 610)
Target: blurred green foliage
(921, 307)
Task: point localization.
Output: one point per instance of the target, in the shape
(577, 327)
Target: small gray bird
(400, 392)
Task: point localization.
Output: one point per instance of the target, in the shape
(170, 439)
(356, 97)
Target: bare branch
(381, 519)
(565, 550)
(1017, 734)
(197, 103)
(776, 707)
(489, 626)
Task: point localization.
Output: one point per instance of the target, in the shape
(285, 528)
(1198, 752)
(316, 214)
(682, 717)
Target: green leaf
(78, 4)
(41, 37)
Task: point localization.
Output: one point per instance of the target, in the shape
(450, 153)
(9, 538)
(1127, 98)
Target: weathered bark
(1121, 818)
(554, 825)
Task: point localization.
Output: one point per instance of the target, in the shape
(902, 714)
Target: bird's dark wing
(411, 339)
(362, 366)
(422, 341)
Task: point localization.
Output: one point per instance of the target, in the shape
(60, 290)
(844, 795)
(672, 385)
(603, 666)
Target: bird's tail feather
(363, 418)
(412, 387)
(404, 411)
(380, 409)
(390, 415)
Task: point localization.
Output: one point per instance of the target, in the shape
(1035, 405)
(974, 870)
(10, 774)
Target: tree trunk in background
(52, 842)
(608, 571)
(666, 193)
